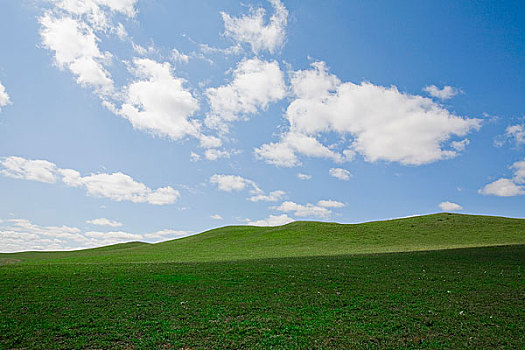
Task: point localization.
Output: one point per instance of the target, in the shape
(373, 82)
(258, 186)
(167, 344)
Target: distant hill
(304, 238)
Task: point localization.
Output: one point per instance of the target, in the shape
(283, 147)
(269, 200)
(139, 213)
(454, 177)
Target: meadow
(299, 286)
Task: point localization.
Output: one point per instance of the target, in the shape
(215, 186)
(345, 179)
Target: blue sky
(125, 120)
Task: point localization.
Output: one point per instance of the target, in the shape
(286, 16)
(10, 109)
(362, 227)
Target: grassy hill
(429, 232)
(305, 285)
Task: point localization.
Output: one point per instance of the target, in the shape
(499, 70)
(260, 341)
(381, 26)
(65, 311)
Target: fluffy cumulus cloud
(4, 97)
(381, 122)
(449, 206)
(35, 170)
(254, 30)
(256, 83)
(119, 187)
(505, 187)
(216, 217)
(339, 173)
(115, 186)
(447, 92)
(71, 28)
(22, 235)
(158, 102)
(272, 220)
(104, 222)
(285, 152)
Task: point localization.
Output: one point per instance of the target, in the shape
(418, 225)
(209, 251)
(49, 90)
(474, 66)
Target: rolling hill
(305, 285)
(429, 232)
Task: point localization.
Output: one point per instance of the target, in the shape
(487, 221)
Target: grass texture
(299, 286)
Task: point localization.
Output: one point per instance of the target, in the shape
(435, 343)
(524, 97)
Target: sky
(150, 120)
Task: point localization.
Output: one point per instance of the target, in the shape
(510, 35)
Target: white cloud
(207, 141)
(382, 122)
(158, 102)
(271, 197)
(508, 187)
(117, 235)
(302, 176)
(194, 157)
(255, 85)
(104, 222)
(122, 187)
(252, 29)
(22, 235)
(519, 171)
(216, 217)
(214, 154)
(516, 132)
(284, 152)
(97, 12)
(180, 57)
(272, 220)
(116, 186)
(232, 50)
(35, 170)
(304, 210)
(229, 183)
(503, 188)
(4, 97)
(75, 47)
(449, 206)
(165, 234)
(341, 174)
(279, 154)
(23, 225)
(460, 146)
(330, 204)
(445, 93)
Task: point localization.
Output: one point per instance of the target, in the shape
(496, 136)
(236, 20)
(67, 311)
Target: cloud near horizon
(319, 210)
(22, 235)
(272, 220)
(449, 206)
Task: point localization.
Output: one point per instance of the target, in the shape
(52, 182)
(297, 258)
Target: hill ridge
(304, 238)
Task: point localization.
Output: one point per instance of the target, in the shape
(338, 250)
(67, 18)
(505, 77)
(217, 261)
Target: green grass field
(302, 285)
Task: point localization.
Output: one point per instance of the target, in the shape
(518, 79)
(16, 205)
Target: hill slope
(429, 232)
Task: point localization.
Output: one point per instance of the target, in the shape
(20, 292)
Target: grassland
(270, 288)
(430, 232)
